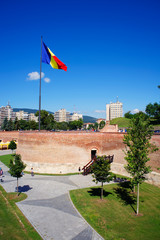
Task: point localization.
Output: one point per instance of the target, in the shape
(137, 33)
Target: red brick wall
(73, 149)
(8, 136)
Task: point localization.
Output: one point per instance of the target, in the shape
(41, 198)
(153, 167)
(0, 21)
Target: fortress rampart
(65, 152)
(9, 135)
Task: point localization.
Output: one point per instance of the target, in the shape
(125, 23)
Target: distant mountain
(27, 110)
(86, 119)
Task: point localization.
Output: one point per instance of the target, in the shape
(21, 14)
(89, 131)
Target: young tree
(138, 147)
(16, 167)
(12, 145)
(100, 170)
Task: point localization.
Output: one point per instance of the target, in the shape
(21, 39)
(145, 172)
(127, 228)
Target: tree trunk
(102, 191)
(137, 198)
(17, 186)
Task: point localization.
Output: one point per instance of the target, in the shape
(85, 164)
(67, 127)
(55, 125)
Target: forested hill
(27, 110)
(86, 119)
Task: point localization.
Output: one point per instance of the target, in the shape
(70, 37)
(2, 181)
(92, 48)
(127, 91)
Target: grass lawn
(13, 224)
(5, 159)
(122, 122)
(114, 216)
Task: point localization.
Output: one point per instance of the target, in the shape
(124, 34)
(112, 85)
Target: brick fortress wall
(65, 152)
(9, 135)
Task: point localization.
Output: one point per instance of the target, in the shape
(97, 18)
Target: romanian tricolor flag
(49, 58)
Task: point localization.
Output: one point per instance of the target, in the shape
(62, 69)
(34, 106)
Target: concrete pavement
(48, 206)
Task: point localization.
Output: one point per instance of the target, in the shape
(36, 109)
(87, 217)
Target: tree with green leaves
(12, 145)
(33, 125)
(5, 124)
(90, 126)
(10, 125)
(101, 171)
(47, 120)
(128, 115)
(102, 124)
(23, 125)
(16, 124)
(138, 147)
(153, 110)
(16, 168)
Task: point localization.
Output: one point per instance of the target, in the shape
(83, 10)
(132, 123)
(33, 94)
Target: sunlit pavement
(48, 206)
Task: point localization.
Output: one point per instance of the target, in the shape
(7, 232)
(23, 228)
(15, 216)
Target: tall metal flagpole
(40, 88)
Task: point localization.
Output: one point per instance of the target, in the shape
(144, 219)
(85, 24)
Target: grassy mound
(122, 122)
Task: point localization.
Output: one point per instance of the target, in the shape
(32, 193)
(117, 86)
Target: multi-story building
(64, 116)
(114, 110)
(6, 112)
(32, 117)
(61, 116)
(75, 117)
(22, 115)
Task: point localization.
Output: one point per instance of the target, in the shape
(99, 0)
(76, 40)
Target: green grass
(122, 122)
(114, 217)
(50, 174)
(5, 159)
(12, 227)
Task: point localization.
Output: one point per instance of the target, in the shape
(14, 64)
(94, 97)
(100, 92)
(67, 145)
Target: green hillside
(122, 122)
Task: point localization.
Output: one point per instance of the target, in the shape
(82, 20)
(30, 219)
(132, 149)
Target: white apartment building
(32, 117)
(22, 115)
(76, 117)
(26, 116)
(64, 116)
(61, 115)
(6, 112)
(114, 110)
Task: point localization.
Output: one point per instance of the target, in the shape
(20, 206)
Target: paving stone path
(48, 206)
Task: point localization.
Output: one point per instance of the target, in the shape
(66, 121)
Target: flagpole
(40, 88)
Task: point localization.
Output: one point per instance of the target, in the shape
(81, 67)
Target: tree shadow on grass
(97, 192)
(123, 192)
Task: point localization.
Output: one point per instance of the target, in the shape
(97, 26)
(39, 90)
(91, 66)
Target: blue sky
(111, 48)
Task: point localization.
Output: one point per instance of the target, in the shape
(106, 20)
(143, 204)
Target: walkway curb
(94, 231)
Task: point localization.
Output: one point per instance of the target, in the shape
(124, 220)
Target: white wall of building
(114, 110)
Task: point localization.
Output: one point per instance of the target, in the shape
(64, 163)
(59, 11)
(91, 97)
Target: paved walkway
(48, 206)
